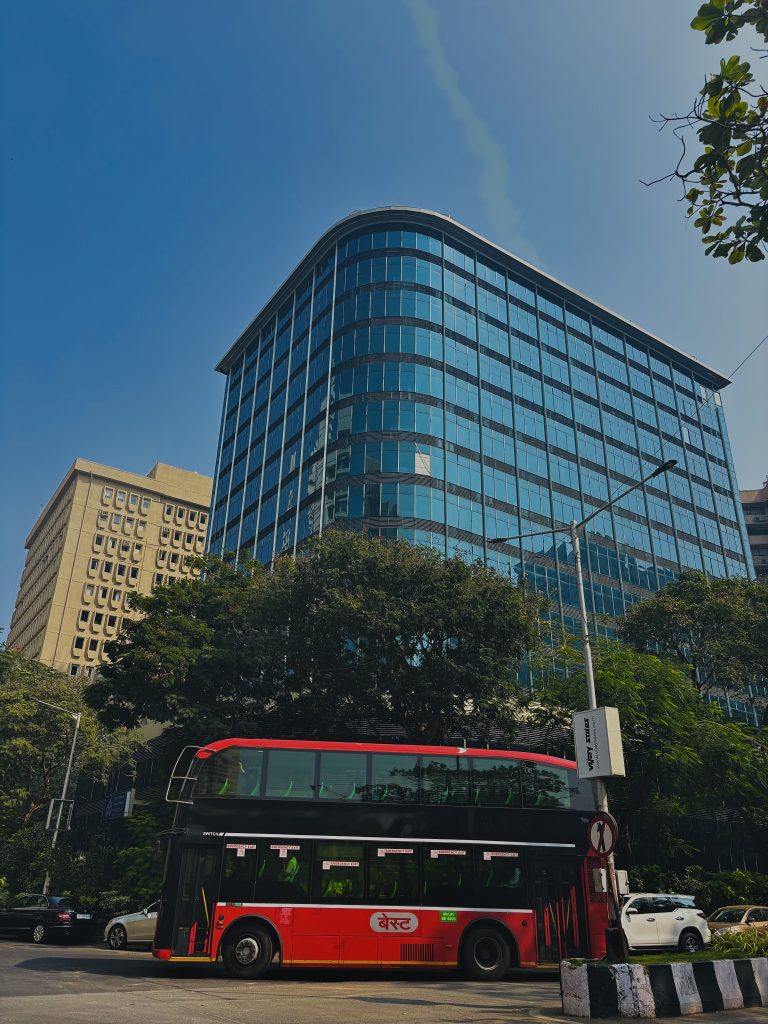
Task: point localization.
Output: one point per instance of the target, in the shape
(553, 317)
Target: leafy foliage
(353, 630)
(681, 755)
(741, 944)
(35, 740)
(730, 118)
(710, 889)
(717, 626)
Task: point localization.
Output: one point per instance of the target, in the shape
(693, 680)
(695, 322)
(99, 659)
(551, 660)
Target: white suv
(664, 921)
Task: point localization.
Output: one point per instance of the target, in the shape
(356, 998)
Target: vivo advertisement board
(597, 735)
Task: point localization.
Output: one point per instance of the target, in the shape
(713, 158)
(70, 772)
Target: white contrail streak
(495, 172)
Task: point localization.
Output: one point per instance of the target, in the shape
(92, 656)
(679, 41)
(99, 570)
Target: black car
(42, 918)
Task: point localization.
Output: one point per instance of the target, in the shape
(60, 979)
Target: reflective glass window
(499, 877)
(338, 872)
(342, 775)
(447, 873)
(393, 873)
(444, 780)
(496, 782)
(394, 778)
(291, 774)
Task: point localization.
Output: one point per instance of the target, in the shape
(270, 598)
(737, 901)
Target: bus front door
(560, 921)
(198, 888)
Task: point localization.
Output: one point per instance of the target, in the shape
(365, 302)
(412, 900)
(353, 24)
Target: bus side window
(545, 785)
(338, 872)
(447, 872)
(239, 872)
(291, 774)
(342, 775)
(495, 782)
(393, 873)
(444, 781)
(394, 778)
(283, 873)
(499, 878)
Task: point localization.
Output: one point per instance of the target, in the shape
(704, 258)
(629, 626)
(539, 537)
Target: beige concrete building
(755, 507)
(103, 535)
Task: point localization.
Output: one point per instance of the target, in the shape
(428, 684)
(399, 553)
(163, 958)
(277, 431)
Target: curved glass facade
(416, 381)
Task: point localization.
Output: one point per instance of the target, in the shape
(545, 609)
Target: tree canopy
(682, 755)
(729, 178)
(717, 626)
(354, 630)
(35, 740)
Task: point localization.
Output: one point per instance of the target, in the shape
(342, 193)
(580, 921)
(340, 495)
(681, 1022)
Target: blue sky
(166, 163)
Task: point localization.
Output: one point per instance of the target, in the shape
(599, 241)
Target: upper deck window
(360, 776)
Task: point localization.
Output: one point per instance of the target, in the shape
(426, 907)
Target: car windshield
(731, 915)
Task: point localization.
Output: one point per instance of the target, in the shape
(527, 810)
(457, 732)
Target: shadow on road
(146, 967)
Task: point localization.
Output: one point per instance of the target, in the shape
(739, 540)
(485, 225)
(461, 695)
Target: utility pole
(65, 787)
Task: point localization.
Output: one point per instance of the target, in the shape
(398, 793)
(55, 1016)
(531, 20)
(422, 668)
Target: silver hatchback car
(132, 928)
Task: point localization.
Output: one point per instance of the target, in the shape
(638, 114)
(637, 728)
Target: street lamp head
(664, 467)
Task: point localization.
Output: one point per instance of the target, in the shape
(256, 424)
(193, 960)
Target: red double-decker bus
(353, 854)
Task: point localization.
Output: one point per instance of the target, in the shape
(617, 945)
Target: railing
(185, 777)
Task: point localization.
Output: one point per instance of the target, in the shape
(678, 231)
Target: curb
(662, 990)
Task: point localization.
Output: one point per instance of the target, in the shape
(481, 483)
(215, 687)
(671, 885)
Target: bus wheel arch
(487, 950)
(248, 946)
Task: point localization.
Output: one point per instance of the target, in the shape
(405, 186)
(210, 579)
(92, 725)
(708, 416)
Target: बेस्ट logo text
(397, 922)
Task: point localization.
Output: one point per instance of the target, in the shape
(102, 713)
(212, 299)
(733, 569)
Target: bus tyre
(248, 951)
(485, 955)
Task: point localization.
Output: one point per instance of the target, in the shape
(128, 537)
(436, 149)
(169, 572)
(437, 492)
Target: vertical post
(601, 793)
(64, 788)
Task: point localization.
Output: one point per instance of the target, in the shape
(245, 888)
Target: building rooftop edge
(719, 379)
(87, 466)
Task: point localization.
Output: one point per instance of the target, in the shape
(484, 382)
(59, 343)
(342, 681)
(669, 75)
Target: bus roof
(383, 748)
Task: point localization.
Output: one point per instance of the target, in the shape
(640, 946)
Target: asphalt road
(93, 985)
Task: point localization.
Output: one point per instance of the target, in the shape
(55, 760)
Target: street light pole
(601, 792)
(65, 787)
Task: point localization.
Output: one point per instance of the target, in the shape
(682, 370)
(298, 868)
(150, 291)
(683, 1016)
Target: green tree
(681, 755)
(354, 630)
(35, 740)
(729, 178)
(717, 626)
(35, 743)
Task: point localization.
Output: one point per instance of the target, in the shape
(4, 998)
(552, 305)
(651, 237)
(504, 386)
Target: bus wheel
(247, 952)
(485, 955)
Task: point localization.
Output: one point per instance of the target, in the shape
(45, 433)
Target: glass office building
(414, 380)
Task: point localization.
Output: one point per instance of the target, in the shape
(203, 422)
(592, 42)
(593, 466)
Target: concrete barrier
(662, 990)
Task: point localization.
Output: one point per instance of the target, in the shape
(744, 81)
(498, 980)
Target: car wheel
(247, 952)
(690, 942)
(485, 955)
(117, 938)
(39, 933)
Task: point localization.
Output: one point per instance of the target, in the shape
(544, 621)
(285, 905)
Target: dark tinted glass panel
(238, 873)
(291, 774)
(496, 782)
(447, 876)
(339, 872)
(233, 772)
(499, 880)
(545, 785)
(393, 874)
(342, 776)
(394, 778)
(283, 872)
(444, 780)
